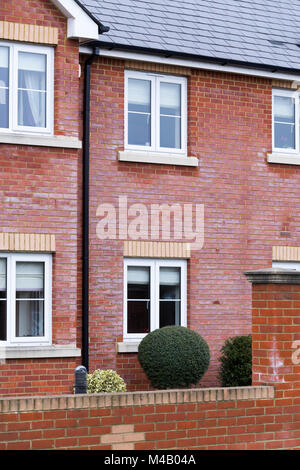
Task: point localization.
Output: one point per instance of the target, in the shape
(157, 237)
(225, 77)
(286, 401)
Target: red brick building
(192, 142)
(40, 152)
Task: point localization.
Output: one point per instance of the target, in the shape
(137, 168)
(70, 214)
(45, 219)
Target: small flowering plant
(105, 381)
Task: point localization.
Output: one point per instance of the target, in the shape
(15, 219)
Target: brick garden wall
(201, 419)
(261, 417)
(39, 194)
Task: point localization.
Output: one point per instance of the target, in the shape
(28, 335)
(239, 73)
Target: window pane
(169, 294)
(139, 95)
(3, 301)
(284, 136)
(30, 279)
(284, 122)
(32, 90)
(139, 112)
(139, 129)
(30, 299)
(169, 313)
(31, 108)
(4, 83)
(32, 71)
(29, 318)
(138, 287)
(138, 282)
(169, 283)
(284, 109)
(138, 316)
(170, 132)
(170, 99)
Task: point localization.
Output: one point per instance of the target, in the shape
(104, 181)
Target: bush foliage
(173, 357)
(236, 362)
(107, 381)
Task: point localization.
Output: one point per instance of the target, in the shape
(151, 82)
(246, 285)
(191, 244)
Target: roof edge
(81, 24)
(168, 54)
(102, 27)
(120, 51)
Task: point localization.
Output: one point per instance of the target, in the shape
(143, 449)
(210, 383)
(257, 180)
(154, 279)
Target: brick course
(229, 130)
(39, 194)
(259, 417)
(232, 418)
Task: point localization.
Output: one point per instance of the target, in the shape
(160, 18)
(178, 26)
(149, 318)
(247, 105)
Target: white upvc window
(25, 299)
(154, 295)
(155, 113)
(26, 88)
(286, 121)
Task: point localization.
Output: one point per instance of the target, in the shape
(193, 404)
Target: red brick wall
(276, 319)
(229, 130)
(39, 194)
(248, 418)
(44, 13)
(261, 417)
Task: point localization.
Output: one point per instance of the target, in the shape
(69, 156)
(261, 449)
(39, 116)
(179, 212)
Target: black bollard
(80, 379)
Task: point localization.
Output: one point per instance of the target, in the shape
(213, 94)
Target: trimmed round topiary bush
(174, 357)
(236, 362)
(105, 381)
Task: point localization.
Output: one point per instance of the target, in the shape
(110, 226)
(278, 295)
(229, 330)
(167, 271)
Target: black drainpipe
(85, 192)
(85, 211)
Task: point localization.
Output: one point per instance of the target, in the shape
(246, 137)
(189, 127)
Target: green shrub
(107, 381)
(173, 357)
(236, 362)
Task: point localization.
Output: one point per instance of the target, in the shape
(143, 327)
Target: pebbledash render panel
(40, 341)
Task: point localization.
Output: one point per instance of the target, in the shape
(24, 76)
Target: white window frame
(154, 265)
(11, 260)
(290, 94)
(14, 49)
(155, 80)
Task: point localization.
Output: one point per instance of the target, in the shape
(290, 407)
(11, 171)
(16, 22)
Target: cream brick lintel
(27, 242)
(116, 400)
(28, 33)
(145, 249)
(286, 253)
(157, 68)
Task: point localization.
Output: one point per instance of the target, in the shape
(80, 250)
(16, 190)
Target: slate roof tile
(232, 30)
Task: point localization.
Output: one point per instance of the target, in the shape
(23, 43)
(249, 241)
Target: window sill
(128, 347)
(284, 158)
(33, 352)
(157, 158)
(40, 140)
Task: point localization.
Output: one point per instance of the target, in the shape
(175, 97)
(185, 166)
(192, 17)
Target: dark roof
(262, 32)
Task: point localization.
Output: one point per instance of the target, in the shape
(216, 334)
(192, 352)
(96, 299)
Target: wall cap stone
(273, 276)
(116, 400)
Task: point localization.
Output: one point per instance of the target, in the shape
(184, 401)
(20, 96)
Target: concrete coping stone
(125, 399)
(273, 276)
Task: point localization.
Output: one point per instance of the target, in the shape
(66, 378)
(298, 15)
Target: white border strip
(80, 24)
(190, 63)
